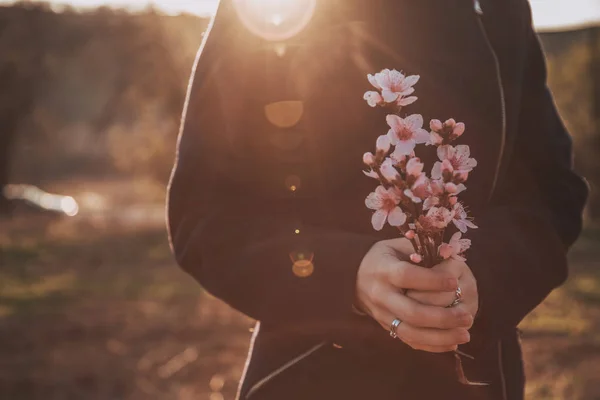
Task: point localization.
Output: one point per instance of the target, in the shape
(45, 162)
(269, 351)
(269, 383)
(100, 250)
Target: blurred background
(92, 305)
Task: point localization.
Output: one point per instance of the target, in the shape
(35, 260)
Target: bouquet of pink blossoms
(421, 207)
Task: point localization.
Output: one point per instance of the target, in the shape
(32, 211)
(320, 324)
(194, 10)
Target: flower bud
(452, 200)
(410, 235)
(451, 188)
(383, 143)
(446, 251)
(459, 129)
(451, 123)
(436, 125)
(369, 159)
(416, 258)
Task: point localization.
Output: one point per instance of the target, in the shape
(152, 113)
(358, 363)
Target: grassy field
(93, 307)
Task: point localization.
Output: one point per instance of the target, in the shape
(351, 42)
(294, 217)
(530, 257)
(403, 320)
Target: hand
(466, 281)
(381, 282)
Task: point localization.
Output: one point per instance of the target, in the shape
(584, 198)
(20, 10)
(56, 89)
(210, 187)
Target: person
(272, 220)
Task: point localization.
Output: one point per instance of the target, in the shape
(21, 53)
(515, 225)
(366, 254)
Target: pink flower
(436, 219)
(461, 219)
(388, 170)
(406, 133)
(410, 235)
(385, 203)
(373, 98)
(455, 248)
(394, 86)
(459, 157)
(414, 167)
(419, 191)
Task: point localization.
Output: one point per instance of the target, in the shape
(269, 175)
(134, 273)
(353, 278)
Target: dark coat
(233, 217)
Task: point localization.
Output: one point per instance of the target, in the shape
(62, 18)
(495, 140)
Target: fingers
(422, 337)
(433, 349)
(438, 299)
(421, 315)
(428, 339)
(404, 275)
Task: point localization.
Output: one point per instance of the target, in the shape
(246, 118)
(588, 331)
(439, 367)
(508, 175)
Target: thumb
(402, 248)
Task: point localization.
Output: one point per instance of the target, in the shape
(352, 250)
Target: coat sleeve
(239, 236)
(518, 255)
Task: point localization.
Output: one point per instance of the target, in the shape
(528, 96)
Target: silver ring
(395, 324)
(457, 298)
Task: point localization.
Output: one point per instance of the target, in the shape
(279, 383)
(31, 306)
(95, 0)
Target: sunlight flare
(275, 20)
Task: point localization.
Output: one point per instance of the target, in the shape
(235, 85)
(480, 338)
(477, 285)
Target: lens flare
(275, 20)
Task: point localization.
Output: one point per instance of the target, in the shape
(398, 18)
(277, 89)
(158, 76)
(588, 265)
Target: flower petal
(378, 219)
(445, 152)
(394, 122)
(460, 225)
(383, 79)
(404, 147)
(414, 166)
(407, 91)
(406, 101)
(414, 121)
(460, 188)
(383, 143)
(373, 98)
(368, 158)
(373, 81)
(371, 174)
(459, 129)
(388, 170)
(434, 139)
(411, 80)
(446, 251)
(430, 202)
(396, 217)
(373, 201)
(421, 136)
(436, 171)
(389, 96)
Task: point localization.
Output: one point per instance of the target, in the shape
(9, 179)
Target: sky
(548, 14)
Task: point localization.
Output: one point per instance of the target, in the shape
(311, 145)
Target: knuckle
(400, 275)
(375, 294)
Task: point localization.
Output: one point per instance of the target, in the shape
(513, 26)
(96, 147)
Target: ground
(93, 307)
